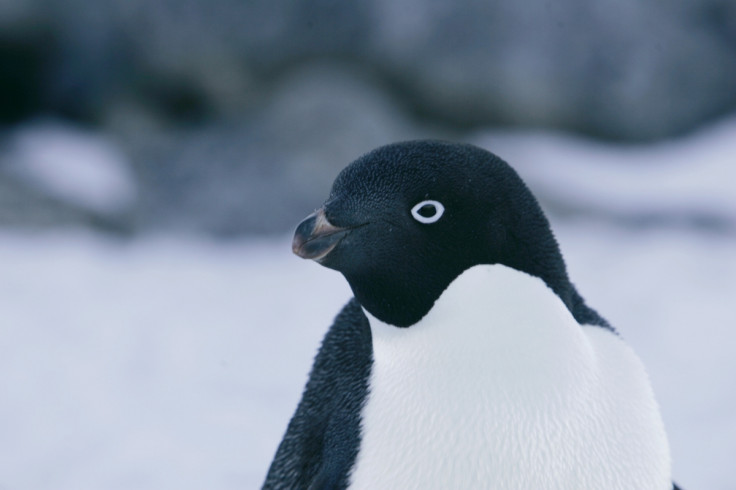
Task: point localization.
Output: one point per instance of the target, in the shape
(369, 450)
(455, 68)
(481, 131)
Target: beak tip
(296, 246)
(304, 231)
(315, 237)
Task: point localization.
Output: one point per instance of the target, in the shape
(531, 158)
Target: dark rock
(237, 115)
(263, 174)
(621, 69)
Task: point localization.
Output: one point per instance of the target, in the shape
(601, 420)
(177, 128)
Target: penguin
(466, 357)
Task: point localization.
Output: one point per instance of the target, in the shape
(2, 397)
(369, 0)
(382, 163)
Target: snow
(148, 365)
(174, 362)
(74, 165)
(695, 174)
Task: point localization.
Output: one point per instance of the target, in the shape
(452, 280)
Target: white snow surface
(74, 165)
(693, 174)
(176, 362)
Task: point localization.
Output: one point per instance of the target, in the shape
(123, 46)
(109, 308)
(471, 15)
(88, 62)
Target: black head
(402, 222)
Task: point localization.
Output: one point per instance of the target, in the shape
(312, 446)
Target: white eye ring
(418, 215)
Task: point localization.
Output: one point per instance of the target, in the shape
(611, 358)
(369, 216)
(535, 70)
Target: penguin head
(402, 222)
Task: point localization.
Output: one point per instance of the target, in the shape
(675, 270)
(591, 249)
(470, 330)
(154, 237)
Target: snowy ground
(175, 363)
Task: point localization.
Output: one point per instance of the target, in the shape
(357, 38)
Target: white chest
(499, 387)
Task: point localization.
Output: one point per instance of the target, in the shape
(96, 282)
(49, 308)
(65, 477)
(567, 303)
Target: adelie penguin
(466, 359)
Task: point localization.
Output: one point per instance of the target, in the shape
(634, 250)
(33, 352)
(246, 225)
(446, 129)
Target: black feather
(322, 439)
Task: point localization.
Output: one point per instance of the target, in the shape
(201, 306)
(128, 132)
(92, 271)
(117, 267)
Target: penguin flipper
(321, 441)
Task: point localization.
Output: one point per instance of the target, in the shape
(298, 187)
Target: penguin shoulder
(322, 438)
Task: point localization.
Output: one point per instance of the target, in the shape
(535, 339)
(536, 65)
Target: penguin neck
(402, 300)
(483, 321)
(534, 250)
(398, 301)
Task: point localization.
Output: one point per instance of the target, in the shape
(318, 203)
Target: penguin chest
(499, 387)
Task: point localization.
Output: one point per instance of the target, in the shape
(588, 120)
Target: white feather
(499, 387)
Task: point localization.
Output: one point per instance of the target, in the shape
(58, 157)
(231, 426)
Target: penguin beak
(315, 237)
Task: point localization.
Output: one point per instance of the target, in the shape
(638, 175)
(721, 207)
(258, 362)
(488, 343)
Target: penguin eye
(427, 211)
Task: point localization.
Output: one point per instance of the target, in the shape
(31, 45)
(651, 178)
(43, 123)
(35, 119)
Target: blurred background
(155, 331)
